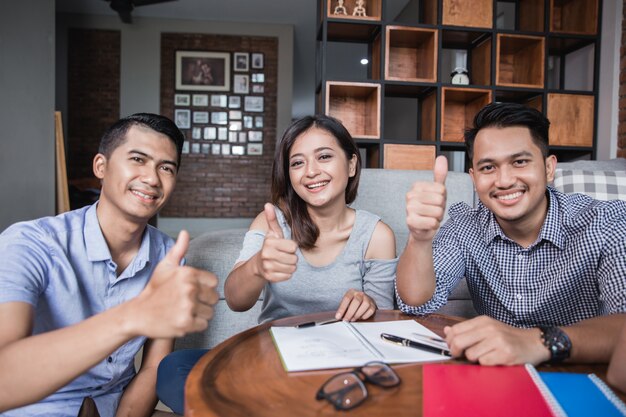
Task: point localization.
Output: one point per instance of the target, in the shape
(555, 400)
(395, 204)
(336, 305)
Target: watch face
(461, 79)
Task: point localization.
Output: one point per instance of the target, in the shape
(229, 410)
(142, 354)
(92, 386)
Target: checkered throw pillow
(601, 185)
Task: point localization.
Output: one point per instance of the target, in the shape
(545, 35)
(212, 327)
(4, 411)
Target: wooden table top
(243, 376)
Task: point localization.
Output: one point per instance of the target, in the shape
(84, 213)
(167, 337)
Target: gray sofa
(381, 192)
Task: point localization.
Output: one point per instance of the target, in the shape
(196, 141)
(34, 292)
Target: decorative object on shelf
(202, 71)
(460, 76)
(340, 9)
(359, 9)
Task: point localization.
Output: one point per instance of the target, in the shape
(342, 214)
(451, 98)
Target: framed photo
(201, 117)
(219, 117)
(241, 84)
(196, 133)
(243, 137)
(205, 148)
(241, 61)
(210, 133)
(255, 149)
(258, 88)
(248, 122)
(219, 100)
(202, 71)
(182, 118)
(226, 149)
(234, 115)
(200, 100)
(216, 149)
(195, 148)
(234, 102)
(222, 133)
(185, 147)
(258, 77)
(255, 136)
(234, 126)
(253, 104)
(257, 60)
(238, 150)
(181, 99)
(232, 137)
(258, 121)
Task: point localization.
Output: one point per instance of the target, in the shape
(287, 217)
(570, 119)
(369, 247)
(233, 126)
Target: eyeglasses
(346, 390)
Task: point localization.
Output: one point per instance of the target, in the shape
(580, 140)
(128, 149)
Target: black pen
(412, 343)
(315, 323)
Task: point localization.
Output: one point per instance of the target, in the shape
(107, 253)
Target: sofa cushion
(601, 185)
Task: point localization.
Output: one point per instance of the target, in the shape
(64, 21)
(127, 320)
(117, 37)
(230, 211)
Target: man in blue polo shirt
(82, 292)
(546, 270)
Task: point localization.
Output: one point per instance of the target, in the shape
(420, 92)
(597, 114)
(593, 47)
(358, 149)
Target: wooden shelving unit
(401, 106)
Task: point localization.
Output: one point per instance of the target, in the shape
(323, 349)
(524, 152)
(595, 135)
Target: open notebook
(345, 344)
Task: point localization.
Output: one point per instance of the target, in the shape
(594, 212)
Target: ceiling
(299, 13)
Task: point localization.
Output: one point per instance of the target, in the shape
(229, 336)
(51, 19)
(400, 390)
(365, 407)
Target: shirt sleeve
(378, 281)
(612, 267)
(449, 267)
(252, 243)
(26, 263)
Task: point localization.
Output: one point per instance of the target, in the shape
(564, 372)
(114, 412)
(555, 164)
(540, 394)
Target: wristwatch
(557, 342)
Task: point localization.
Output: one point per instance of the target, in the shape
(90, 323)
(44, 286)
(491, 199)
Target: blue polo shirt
(62, 267)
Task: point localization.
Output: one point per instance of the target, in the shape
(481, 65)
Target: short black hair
(116, 134)
(502, 115)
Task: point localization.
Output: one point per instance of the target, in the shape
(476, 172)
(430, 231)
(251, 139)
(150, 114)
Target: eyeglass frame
(361, 377)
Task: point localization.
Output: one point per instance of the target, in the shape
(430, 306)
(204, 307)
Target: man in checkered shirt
(546, 270)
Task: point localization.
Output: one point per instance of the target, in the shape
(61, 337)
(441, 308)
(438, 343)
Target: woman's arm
(616, 374)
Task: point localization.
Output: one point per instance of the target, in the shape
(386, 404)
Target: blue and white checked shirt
(574, 271)
(62, 266)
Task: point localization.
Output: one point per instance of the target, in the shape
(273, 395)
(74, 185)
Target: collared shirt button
(520, 256)
(518, 296)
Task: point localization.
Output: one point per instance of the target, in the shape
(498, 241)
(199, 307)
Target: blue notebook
(583, 394)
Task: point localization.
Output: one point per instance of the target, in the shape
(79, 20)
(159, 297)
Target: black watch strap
(557, 342)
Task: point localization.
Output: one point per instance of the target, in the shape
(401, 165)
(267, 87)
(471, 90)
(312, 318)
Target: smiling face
(510, 176)
(319, 169)
(139, 175)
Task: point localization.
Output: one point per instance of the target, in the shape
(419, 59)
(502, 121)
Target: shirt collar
(550, 230)
(97, 248)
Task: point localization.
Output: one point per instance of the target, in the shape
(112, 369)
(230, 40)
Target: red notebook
(475, 390)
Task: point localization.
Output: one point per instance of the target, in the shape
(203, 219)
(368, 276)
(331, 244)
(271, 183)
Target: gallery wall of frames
(221, 92)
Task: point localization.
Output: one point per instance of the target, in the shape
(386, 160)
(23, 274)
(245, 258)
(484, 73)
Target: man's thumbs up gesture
(277, 259)
(426, 203)
(178, 299)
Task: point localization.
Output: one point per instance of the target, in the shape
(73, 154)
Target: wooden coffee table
(243, 376)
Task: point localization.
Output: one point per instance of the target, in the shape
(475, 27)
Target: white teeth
(317, 185)
(142, 195)
(510, 196)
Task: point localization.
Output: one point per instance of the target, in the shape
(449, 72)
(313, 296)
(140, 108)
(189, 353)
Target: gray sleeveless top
(313, 289)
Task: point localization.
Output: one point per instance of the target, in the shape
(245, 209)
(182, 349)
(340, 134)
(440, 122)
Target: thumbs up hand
(177, 300)
(426, 203)
(277, 259)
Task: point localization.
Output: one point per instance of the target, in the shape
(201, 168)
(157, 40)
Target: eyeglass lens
(380, 374)
(345, 391)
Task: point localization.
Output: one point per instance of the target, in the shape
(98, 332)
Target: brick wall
(621, 132)
(221, 185)
(93, 95)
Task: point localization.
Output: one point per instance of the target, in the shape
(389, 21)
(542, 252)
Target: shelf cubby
(458, 108)
(477, 48)
(411, 54)
(468, 13)
(373, 10)
(574, 16)
(521, 15)
(571, 119)
(409, 156)
(356, 105)
(519, 61)
(408, 119)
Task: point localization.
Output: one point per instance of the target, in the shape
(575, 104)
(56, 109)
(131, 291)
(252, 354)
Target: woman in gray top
(308, 250)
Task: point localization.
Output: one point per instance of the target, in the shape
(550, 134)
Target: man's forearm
(140, 397)
(593, 340)
(415, 276)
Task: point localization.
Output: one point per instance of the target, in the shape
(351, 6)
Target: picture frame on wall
(219, 117)
(216, 149)
(182, 118)
(255, 136)
(196, 133)
(234, 102)
(200, 100)
(219, 100)
(201, 117)
(255, 149)
(253, 104)
(241, 84)
(257, 60)
(258, 88)
(258, 77)
(248, 122)
(222, 133)
(238, 150)
(234, 114)
(181, 99)
(202, 71)
(241, 61)
(210, 133)
(258, 121)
